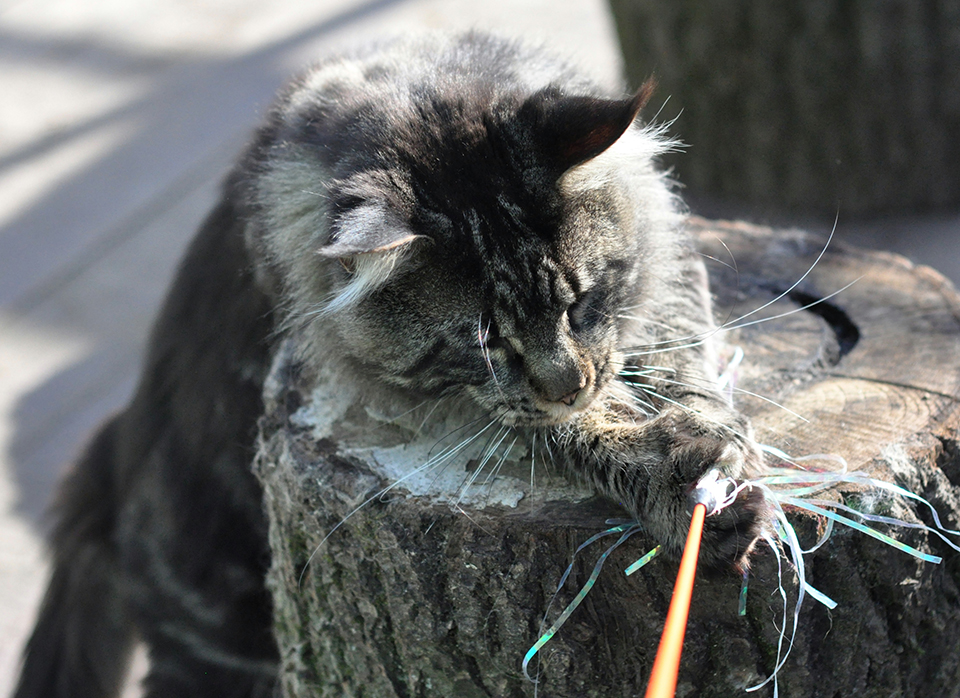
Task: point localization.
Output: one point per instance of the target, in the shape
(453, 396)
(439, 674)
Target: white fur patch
(371, 271)
(632, 155)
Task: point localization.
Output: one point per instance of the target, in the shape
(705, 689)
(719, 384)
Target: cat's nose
(564, 387)
(557, 376)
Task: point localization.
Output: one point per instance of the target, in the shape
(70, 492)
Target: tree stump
(418, 594)
(806, 104)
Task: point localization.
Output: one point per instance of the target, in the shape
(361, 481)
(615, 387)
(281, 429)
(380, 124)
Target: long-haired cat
(460, 216)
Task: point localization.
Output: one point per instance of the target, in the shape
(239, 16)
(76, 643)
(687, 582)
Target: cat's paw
(694, 448)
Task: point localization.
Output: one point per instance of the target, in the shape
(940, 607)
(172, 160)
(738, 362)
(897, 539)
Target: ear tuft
(569, 130)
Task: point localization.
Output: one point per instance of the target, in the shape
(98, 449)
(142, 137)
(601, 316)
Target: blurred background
(118, 118)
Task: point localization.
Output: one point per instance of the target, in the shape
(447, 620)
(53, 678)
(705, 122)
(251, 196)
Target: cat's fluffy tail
(81, 643)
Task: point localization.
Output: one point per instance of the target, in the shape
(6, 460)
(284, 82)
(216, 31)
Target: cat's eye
(504, 345)
(584, 313)
(344, 204)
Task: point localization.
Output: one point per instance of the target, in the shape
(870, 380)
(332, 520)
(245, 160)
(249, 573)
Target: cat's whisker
(635, 306)
(718, 391)
(426, 417)
(694, 411)
(698, 340)
(796, 283)
(490, 450)
(546, 445)
(736, 270)
(441, 467)
(794, 310)
(636, 373)
(482, 337)
(659, 369)
(395, 418)
(658, 347)
(695, 340)
(533, 458)
(435, 461)
(647, 321)
(728, 265)
(472, 520)
(448, 454)
(486, 452)
(730, 325)
(629, 400)
(492, 475)
(459, 429)
(636, 402)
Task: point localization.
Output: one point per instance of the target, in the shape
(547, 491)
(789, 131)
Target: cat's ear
(370, 227)
(569, 130)
(370, 240)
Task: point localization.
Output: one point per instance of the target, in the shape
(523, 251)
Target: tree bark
(411, 596)
(820, 105)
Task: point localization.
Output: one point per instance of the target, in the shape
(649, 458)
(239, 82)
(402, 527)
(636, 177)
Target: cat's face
(518, 306)
(458, 239)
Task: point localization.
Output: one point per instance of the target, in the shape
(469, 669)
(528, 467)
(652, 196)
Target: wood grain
(899, 379)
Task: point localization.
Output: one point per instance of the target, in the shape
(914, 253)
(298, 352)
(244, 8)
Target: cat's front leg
(651, 466)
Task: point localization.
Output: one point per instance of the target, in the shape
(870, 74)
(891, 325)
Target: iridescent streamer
(873, 533)
(859, 478)
(642, 561)
(728, 378)
(742, 603)
(788, 537)
(797, 461)
(889, 521)
(627, 531)
(823, 538)
(791, 485)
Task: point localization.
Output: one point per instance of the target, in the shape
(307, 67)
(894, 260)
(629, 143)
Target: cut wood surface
(426, 591)
(874, 366)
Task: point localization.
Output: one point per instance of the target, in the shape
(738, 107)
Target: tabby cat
(460, 216)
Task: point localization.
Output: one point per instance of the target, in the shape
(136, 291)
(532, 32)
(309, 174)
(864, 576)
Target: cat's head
(473, 240)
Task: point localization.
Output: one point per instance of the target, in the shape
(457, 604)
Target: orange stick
(663, 677)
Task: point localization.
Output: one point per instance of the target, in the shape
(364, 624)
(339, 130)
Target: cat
(462, 216)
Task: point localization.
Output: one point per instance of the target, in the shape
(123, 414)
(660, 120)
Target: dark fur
(438, 217)
(160, 531)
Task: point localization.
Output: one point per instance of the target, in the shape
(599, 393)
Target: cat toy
(793, 482)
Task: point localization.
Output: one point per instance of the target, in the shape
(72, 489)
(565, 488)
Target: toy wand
(663, 678)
